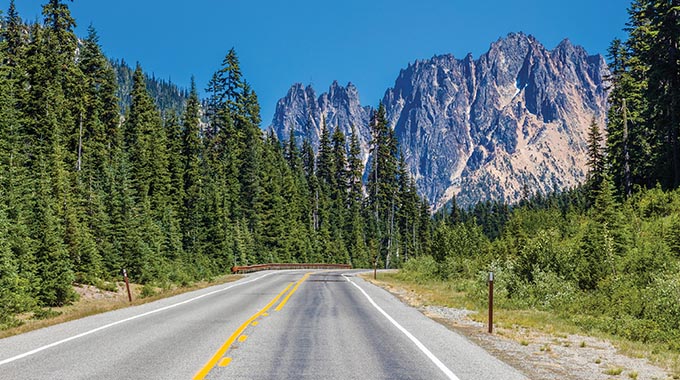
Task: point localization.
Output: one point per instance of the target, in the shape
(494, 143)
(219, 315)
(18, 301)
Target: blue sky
(311, 41)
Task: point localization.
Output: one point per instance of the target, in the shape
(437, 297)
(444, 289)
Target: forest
(94, 180)
(606, 255)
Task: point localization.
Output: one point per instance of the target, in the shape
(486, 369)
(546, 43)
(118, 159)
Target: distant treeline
(168, 96)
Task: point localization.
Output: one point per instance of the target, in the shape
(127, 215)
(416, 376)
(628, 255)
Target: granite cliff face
(480, 128)
(302, 113)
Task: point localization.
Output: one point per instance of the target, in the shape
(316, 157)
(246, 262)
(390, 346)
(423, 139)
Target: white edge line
(35, 351)
(415, 340)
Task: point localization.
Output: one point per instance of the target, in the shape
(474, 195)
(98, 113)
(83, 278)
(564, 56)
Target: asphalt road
(269, 325)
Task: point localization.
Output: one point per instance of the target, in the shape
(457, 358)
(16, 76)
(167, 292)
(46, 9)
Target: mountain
(515, 118)
(302, 113)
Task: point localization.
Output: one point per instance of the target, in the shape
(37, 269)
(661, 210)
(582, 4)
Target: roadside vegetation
(603, 258)
(102, 298)
(567, 269)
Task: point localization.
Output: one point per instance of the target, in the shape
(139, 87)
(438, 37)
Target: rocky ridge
(517, 117)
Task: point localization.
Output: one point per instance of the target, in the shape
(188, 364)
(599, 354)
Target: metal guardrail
(259, 267)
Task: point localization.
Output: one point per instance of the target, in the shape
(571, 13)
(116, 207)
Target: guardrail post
(490, 302)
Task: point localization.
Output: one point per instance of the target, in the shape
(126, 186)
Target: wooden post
(490, 302)
(375, 268)
(127, 285)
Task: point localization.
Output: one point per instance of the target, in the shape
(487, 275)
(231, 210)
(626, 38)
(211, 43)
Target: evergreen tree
(192, 156)
(595, 158)
(54, 268)
(13, 33)
(251, 155)
(354, 231)
(382, 183)
(146, 141)
(16, 259)
(629, 139)
(325, 167)
(339, 194)
(663, 90)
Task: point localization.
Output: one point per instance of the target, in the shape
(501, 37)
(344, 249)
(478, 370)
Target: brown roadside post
(490, 302)
(127, 284)
(375, 268)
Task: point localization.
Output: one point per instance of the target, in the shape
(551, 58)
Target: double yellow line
(200, 375)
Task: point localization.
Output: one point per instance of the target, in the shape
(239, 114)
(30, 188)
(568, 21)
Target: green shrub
(550, 291)
(420, 269)
(44, 313)
(663, 302)
(655, 203)
(147, 291)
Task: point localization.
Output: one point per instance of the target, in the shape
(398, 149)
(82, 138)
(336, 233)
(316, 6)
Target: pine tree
(172, 213)
(382, 183)
(146, 141)
(643, 132)
(302, 234)
(13, 34)
(50, 107)
(192, 156)
(325, 167)
(629, 138)
(339, 194)
(595, 159)
(96, 130)
(54, 268)
(252, 155)
(354, 230)
(13, 297)
(664, 85)
(16, 258)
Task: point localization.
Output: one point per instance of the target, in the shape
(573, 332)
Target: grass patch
(85, 307)
(613, 371)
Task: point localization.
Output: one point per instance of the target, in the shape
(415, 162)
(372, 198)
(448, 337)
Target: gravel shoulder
(539, 355)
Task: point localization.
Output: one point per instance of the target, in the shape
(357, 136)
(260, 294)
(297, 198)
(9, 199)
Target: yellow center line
(283, 303)
(200, 375)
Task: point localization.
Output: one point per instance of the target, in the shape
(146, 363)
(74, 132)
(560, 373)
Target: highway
(268, 325)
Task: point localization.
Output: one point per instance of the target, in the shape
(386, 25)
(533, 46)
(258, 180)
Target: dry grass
(87, 306)
(513, 321)
(613, 371)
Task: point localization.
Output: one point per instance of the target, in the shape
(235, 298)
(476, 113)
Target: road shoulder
(539, 355)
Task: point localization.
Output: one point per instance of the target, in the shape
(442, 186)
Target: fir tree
(595, 158)
(146, 141)
(13, 33)
(382, 183)
(192, 176)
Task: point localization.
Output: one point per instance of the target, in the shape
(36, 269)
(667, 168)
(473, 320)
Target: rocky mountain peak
(303, 113)
(481, 128)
